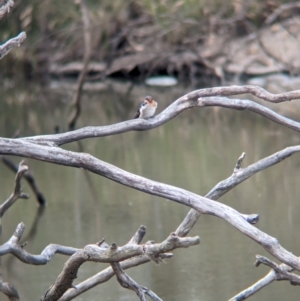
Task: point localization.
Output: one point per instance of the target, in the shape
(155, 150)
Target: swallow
(147, 108)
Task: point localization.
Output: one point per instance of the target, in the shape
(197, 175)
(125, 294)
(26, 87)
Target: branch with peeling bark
(112, 254)
(5, 6)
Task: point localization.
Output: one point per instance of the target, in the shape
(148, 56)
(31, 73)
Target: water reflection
(194, 151)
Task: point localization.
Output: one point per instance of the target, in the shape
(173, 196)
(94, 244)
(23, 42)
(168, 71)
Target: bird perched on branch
(147, 108)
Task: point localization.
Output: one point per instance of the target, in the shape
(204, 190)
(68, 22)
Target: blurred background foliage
(54, 28)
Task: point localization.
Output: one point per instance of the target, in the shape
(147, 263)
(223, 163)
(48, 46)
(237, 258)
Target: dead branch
(5, 6)
(28, 177)
(22, 147)
(104, 276)
(138, 236)
(9, 290)
(197, 98)
(12, 43)
(239, 175)
(127, 282)
(107, 273)
(12, 246)
(86, 58)
(282, 273)
(111, 254)
(17, 193)
(278, 272)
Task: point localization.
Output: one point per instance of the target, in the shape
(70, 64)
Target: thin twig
(86, 58)
(17, 193)
(28, 177)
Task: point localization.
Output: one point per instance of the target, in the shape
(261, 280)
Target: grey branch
(9, 290)
(112, 254)
(5, 6)
(22, 147)
(127, 282)
(278, 272)
(282, 273)
(17, 193)
(12, 246)
(198, 98)
(105, 275)
(45, 148)
(28, 177)
(138, 235)
(11, 44)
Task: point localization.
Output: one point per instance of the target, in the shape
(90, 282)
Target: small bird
(147, 108)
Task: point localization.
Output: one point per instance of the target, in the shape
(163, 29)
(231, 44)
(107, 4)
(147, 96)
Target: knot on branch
(113, 246)
(155, 257)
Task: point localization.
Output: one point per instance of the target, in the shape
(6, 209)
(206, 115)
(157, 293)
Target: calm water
(194, 151)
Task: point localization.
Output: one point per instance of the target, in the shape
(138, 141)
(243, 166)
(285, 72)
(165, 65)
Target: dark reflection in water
(194, 151)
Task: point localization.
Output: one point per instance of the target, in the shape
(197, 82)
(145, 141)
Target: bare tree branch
(112, 254)
(28, 177)
(12, 43)
(21, 147)
(17, 193)
(138, 236)
(278, 272)
(5, 6)
(105, 275)
(12, 246)
(197, 98)
(282, 273)
(9, 290)
(127, 282)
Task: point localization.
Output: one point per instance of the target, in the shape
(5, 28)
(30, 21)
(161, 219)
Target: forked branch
(17, 193)
(111, 254)
(12, 246)
(198, 98)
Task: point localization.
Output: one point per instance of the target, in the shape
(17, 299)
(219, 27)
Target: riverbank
(192, 40)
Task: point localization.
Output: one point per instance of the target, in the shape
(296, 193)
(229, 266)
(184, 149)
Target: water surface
(194, 151)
